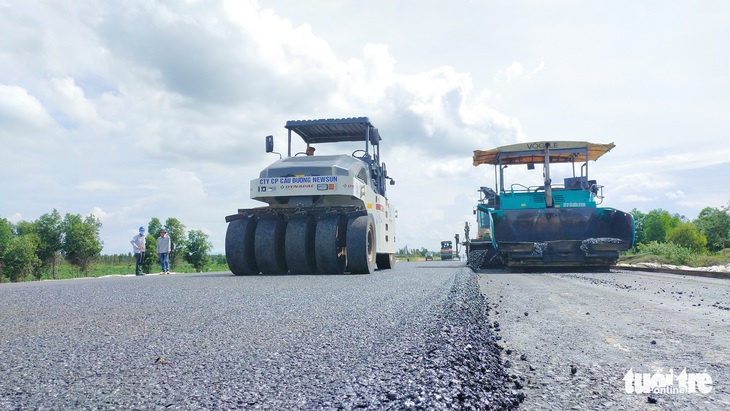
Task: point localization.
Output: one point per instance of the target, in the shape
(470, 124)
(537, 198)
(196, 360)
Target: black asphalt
(415, 337)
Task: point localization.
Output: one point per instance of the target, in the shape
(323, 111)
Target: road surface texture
(572, 341)
(415, 337)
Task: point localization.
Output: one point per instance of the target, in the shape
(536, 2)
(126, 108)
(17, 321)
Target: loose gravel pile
(461, 368)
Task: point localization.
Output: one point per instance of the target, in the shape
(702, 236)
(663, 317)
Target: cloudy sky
(137, 109)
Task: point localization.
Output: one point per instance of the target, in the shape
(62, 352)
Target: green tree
(25, 228)
(154, 227)
(151, 258)
(20, 257)
(639, 225)
(150, 254)
(219, 259)
(6, 235)
(687, 235)
(176, 231)
(50, 233)
(81, 241)
(29, 231)
(197, 248)
(715, 225)
(657, 223)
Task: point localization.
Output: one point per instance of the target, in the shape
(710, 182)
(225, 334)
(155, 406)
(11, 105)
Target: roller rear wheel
(329, 243)
(240, 253)
(299, 245)
(269, 245)
(361, 245)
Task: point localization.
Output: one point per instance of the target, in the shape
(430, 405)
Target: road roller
(324, 214)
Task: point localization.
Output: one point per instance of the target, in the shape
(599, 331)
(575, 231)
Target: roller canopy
(335, 130)
(526, 153)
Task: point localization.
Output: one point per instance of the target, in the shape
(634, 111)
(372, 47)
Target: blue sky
(139, 109)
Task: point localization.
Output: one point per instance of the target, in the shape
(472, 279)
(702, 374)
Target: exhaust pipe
(548, 181)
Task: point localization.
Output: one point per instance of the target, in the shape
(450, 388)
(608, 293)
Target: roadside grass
(67, 272)
(668, 253)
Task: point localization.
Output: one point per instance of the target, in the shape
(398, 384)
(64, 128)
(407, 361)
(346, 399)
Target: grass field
(66, 271)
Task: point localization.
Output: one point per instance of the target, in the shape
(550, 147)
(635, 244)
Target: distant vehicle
(429, 256)
(447, 250)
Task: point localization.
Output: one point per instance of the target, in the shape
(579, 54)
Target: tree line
(408, 252)
(32, 248)
(708, 233)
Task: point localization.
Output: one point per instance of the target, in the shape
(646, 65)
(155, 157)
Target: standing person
(164, 246)
(138, 244)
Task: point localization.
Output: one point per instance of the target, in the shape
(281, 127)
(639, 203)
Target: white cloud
(99, 213)
(537, 69)
(636, 198)
(675, 195)
(690, 158)
(99, 185)
(71, 100)
(171, 184)
(182, 184)
(516, 71)
(21, 112)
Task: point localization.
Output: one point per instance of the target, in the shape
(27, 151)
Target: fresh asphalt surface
(411, 337)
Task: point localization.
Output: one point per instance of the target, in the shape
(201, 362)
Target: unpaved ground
(571, 339)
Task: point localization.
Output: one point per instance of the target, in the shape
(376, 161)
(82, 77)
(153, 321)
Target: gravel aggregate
(408, 338)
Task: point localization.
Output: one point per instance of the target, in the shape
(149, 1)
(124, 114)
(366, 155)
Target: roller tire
(361, 244)
(299, 245)
(269, 246)
(240, 246)
(385, 261)
(329, 243)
